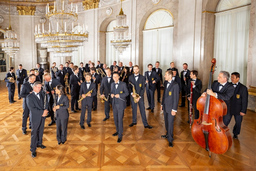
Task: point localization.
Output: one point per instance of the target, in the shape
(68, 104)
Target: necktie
(234, 85)
(37, 94)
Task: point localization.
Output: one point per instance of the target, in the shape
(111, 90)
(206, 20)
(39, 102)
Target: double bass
(209, 130)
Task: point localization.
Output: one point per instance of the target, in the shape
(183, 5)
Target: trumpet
(103, 99)
(134, 93)
(85, 95)
(11, 79)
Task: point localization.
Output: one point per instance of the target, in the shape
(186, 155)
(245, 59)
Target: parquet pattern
(96, 149)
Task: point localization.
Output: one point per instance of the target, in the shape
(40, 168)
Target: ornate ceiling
(33, 2)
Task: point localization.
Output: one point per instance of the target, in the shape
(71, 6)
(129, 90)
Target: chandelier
(11, 44)
(121, 38)
(61, 38)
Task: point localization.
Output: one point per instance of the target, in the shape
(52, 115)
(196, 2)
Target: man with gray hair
(222, 89)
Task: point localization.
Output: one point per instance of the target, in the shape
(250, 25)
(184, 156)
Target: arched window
(232, 36)
(158, 39)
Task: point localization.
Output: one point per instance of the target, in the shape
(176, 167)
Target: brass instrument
(122, 72)
(54, 104)
(134, 93)
(11, 79)
(85, 95)
(101, 72)
(66, 80)
(103, 99)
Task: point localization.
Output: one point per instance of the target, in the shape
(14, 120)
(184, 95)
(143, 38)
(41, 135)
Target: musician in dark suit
(176, 78)
(70, 72)
(238, 104)
(173, 68)
(61, 109)
(223, 90)
(81, 72)
(120, 66)
(112, 66)
(37, 104)
(130, 68)
(32, 71)
(118, 93)
(87, 92)
(196, 93)
(75, 88)
(95, 79)
(137, 84)
(10, 84)
(124, 77)
(40, 71)
(151, 79)
(26, 89)
(99, 65)
(184, 77)
(21, 75)
(105, 92)
(170, 105)
(53, 70)
(87, 66)
(61, 75)
(50, 86)
(158, 84)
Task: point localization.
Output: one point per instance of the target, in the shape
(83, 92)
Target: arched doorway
(158, 39)
(231, 40)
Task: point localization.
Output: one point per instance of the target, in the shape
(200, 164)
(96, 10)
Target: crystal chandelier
(121, 38)
(61, 38)
(11, 44)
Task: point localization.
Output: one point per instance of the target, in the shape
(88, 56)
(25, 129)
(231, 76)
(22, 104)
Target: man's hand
(154, 82)
(102, 96)
(210, 92)
(54, 109)
(173, 113)
(45, 113)
(57, 107)
(83, 96)
(242, 114)
(112, 95)
(188, 98)
(47, 92)
(138, 99)
(89, 94)
(79, 83)
(146, 81)
(193, 83)
(203, 94)
(117, 96)
(133, 95)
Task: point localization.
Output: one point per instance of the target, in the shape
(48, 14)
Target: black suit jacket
(139, 85)
(239, 101)
(112, 68)
(9, 84)
(27, 78)
(41, 73)
(177, 80)
(21, 75)
(97, 80)
(105, 87)
(74, 85)
(153, 77)
(26, 88)
(196, 90)
(123, 93)
(54, 73)
(99, 66)
(61, 76)
(87, 68)
(159, 73)
(187, 76)
(49, 88)
(81, 73)
(83, 90)
(170, 97)
(62, 112)
(69, 71)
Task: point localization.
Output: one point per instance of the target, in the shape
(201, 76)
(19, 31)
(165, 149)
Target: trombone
(85, 95)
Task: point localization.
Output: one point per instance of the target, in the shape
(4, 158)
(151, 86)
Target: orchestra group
(44, 95)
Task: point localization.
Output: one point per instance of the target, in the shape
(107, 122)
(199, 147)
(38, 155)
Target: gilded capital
(26, 10)
(90, 4)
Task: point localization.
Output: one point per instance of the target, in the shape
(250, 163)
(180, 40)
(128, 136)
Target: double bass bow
(209, 130)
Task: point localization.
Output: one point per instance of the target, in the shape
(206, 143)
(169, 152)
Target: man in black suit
(151, 79)
(81, 72)
(75, 88)
(170, 105)
(112, 66)
(137, 84)
(38, 111)
(54, 70)
(238, 104)
(184, 77)
(173, 68)
(21, 75)
(32, 71)
(105, 92)
(87, 66)
(130, 68)
(10, 84)
(40, 71)
(118, 92)
(70, 72)
(61, 75)
(196, 93)
(223, 90)
(120, 66)
(176, 78)
(99, 65)
(26, 89)
(158, 84)
(87, 92)
(50, 86)
(95, 79)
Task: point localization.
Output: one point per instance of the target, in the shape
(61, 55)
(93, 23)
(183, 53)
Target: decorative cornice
(90, 4)
(26, 10)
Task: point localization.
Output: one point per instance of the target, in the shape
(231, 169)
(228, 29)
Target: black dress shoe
(82, 126)
(24, 132)
(164, 136)
(94, 109)
(59, 143)
(11, 102)
(19, 98)
(89, 125)
(78, 109)
(48, 116)
(33, 154)
(115, 134)
(52, 122)
(235, 137)
(159, 101)
(170, 144)
(148, 108)
(152, 110)
(105, 119)
(14, 101)
(182, 106)
(63, 142)
(29, 127)
(132, 124)
(41, 146)
(73, 111)
(148, 126)
(119, 140)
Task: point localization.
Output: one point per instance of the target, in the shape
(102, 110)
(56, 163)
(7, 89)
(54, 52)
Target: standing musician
(37, 104)
(10, 84)
(184, 77)
(118, 93)
(120, 66)
(137, 89)
(170, 105)
(87, 66)
(32, 71)
(124, 77)
(238, 104)
(75, 88)
(81, 72)
(61, 109)
(54, 69)
(196, 93)
(26, 89)
(21, 75)
(70, 72)
(112, 66)
(95, 79)
(151, 79)
(61, 75)
(173, 68)
(99, 65)
(176, 78)
(130, 68)
(223, 90)
(40, 71)
(50, 86)
(105, 92)
(87, 91)
(158, 84)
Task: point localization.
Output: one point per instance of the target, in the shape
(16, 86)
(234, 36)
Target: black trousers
(195, 111)
(25, 118)
(238, 122)
(183, 95)
(169, 120)
(11, 91)
(74, 99)
(37, 134)
(107, 108)
(142, 111)
(158, 88)
(94, 103)
(19, 87)
(151, 98)
(62, 125)
(89, 114)
(118, 118)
